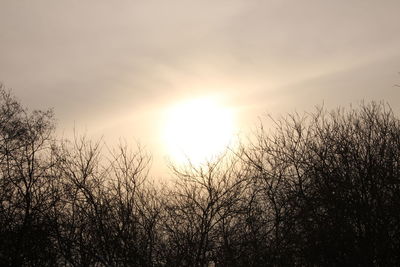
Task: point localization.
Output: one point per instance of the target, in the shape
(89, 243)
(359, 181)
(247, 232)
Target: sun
(197, 130)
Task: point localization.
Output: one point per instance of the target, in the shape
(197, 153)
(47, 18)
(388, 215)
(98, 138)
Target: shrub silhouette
(320, 189)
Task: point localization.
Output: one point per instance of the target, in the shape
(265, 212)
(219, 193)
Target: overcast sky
(111, 67)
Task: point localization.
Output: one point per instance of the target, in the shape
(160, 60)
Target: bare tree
(200, 211)
(109, 210)
(320, 189)
(331, 180)
(26, 184)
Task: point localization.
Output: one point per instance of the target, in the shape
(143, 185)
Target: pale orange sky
(112, 67)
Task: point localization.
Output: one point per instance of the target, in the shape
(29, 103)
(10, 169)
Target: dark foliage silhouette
(320, 189)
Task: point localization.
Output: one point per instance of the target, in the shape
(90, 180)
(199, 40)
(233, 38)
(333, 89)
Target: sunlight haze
(111, 69)
(197, 130)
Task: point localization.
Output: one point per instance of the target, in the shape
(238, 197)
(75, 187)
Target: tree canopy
(319, 189)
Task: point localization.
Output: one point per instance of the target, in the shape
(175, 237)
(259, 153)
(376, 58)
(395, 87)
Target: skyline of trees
(318, 189)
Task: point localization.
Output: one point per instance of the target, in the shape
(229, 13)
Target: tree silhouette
(332, 181)
(319, 189)
(26, 185)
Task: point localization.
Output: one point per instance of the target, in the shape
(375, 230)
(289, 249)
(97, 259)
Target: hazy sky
(111, 67)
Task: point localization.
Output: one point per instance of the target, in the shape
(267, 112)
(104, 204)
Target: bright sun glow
(198, 130)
